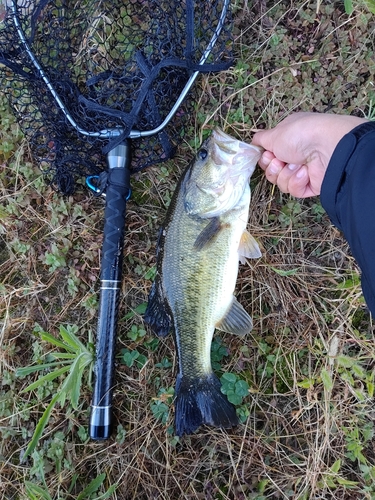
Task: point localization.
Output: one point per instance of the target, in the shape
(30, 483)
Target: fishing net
(83, 76)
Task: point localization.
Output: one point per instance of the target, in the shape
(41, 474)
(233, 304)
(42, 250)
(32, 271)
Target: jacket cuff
(336, 173)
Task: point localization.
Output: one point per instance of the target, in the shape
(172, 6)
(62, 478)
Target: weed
(164, 363)
(289, 213)
(37, 492)
(235, 388)
(55, 258)
(161, 404)
(73, 361)
(218, 352)
(133, 357)
(136, 333)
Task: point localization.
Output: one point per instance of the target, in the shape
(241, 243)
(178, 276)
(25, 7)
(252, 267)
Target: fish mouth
(227, 150)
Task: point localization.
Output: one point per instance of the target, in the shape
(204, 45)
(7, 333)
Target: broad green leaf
(336, 466)
(62, 355)
(370, 388)
(40, 426)
(326, 379)
(306, 383)
(140, 309)
(86, 359)
(47, 337)
(71, 339)
(370, 5)
(22, 372)
(130, 357)
(234, 398)
(160, 411)
(36, 492)
(242, 388)
(229, 377)
(367, 432)
(348, 4)
(92, 487)
(280, 272)
(72, 383)
(76, 376)
(358, 371)
(346, 482)
(46, 378)
(263, 483)
(110, 491)
(360, 395)
(329, 482)
(345, 361)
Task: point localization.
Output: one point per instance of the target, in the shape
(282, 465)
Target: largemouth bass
(200, 245)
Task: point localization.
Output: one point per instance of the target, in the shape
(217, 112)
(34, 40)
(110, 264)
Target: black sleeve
(348, 197)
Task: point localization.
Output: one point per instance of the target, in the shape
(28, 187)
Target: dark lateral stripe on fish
(200, 401)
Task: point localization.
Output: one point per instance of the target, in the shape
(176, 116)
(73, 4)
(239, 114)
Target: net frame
(116, 69)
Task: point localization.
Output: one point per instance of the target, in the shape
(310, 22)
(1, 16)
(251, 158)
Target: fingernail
(272, 169)
(266, 158)
(301, 172)
(293, 166)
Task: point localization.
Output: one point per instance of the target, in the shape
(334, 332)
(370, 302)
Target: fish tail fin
(200, 401)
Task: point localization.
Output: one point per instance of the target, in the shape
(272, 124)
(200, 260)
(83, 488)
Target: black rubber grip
(117, 193)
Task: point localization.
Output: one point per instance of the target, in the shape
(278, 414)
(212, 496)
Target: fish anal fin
(209, 233)
(248, 248)
(236, 321)
(199, 401)
(157, 312)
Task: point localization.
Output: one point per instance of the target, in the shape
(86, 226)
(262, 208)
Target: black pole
(117, 192)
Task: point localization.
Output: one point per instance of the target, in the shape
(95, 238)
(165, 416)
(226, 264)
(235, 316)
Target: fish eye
(202, 154)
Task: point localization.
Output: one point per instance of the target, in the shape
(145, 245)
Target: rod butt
(101, 425)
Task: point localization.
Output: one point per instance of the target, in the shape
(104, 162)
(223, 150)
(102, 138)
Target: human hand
(298, 150)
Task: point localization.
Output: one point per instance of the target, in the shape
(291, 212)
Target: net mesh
(114, 65)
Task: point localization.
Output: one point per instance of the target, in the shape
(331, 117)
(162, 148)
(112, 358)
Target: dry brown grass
(304, 433)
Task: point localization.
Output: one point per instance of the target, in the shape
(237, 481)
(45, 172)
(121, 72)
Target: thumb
(265, 139)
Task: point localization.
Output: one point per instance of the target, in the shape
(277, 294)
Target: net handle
(117, 194)
(116, 132)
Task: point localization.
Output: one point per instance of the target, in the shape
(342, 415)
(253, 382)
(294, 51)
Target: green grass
(303, 380)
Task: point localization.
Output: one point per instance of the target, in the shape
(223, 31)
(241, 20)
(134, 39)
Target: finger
(285, 176)
(265, 159)
(300, 184)
(274, 170)
(265, 139)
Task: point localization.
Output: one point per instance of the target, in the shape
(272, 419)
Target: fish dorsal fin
(208, 234)
(249, 248)
(236, 320)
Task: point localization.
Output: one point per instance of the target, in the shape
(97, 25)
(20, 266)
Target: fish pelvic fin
(157, 312)
(199, 401)
(249, 248)
(236, 321)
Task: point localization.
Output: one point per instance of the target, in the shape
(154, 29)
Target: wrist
(329, 131)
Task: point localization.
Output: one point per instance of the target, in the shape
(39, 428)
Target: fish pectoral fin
(157, 314)
(249, 248)
(236, 321)
(208, 234)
